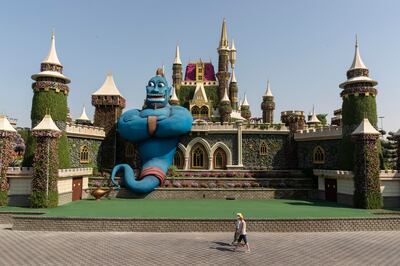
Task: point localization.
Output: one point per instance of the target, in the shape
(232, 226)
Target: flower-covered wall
(305, 152)
(75, 145)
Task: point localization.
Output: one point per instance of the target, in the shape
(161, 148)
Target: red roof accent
(209, 74)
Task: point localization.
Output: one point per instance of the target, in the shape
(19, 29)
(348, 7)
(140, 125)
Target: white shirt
(242, 229)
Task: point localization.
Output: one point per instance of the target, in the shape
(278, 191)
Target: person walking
(243, 233)
(237, 228)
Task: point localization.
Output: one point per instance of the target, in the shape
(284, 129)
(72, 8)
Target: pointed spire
(314, 119)
(174, 99)
(177, 56)
(5, 125)
(52, 57)
(365, 127)
(357, 61)
(47, 123)
(84, 115)
(245, 102)
(233, 78)
(108, 87)
(225, 98)
(223, 43)
(233, 48)
(268, 92)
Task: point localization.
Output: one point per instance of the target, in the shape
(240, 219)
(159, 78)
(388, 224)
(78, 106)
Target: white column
(240, 142)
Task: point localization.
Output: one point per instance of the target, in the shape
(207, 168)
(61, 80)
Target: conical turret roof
(174, 97)
(84, 116)
(357, 61)
(223, 43)
(314, 119)
(108, 87)
(245, 102)
(233, 78)
(47, 123)
(5, 125)
(225, 98)
(52, 57)
(365, 127)
(268, 92)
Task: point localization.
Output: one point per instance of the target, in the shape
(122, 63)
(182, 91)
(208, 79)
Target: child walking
(237, 228)
(243, 233)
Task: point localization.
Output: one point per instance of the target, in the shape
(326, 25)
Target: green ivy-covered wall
(305, 152)
(75, 144)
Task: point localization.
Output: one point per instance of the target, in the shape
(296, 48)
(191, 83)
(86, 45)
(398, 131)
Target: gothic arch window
(195, 111)
(318, 155)
(199, 157)
(263, 148)
(178, 159)
(84, 154)
(219, 159)
(130, 150)
(204, 111)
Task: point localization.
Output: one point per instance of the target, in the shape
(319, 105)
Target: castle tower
(223, 63)
(108, 103)
(50, 92)
(45, 164)
(268, 106)
(294, 120)
(367, 192)
(7, 135)
(225, 108)
(233, 91)
(358, 97)
(177, 70)
(245, 108)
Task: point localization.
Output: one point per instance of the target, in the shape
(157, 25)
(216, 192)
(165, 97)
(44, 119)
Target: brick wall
(37, 223)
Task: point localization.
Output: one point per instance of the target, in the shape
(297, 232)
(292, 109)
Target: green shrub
(38, 199)
(3, 198)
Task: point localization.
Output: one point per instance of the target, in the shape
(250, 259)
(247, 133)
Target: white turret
(233, 78)
(52, 57)
(225, 98)
(5, 125)
(245, 102)
(314, 119)
(268, 92)
(108, 87)
(357, 61)
(47, 123)
(84, 116)
(365, 128)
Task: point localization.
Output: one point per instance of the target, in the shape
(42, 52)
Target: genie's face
(157, 92)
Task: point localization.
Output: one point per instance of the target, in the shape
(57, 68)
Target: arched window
(130, 150)
(263, 148)
(84, 154)
(178, 159)
(204, 111)
(195, 111)
(319, 155)
(199, 157)
(219, 159)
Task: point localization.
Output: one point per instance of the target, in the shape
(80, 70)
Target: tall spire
(177, 56)
(245, 102)
(268, 92)
(52, 57)
(357, 61)
(223, 43)
(314, 119)
(233, 78)
(84, 115)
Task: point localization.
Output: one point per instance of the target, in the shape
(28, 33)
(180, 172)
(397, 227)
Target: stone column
(6, 154)
(45, 169)
(367, 192)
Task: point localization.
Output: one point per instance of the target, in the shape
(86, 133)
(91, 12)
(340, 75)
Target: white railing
(75, 172)
(19, 171)
(201, 125)
(85, 131)
(330, 132)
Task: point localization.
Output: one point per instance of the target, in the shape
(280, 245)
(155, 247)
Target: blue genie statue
(156, 129)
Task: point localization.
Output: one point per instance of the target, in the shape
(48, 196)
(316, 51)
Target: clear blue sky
(303, 47)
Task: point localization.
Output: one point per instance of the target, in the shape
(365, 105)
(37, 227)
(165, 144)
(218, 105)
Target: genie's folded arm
(179, 122)
(132, 127)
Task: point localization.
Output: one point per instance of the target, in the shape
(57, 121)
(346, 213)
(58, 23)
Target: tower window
(84, 154)
(219, 159)
(319, 155)
(263, 148)
(204, 111)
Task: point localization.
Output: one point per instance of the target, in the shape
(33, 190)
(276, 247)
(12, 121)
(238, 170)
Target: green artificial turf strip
(209, 209)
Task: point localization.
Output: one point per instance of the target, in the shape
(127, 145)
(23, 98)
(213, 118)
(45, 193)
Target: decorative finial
(356, 40)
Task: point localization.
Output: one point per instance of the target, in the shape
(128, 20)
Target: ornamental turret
(313, 120)
(83, 118)
(177, 70)
(174, 98)
(245, 108)
(7, 136)
(359, 99)
(45, 164)
(268, 105)
(225, 108)
(108, 103)
(233, 91)
(223, 74)
(50, 92)
(367, 190)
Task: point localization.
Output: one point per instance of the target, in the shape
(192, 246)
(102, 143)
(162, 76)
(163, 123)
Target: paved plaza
(66, 248)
